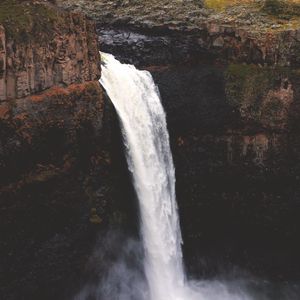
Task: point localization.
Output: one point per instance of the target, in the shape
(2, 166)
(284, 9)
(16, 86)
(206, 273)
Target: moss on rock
(282, 8)
(222, 4)
(246, 83)
(24, 20)
(260, 94)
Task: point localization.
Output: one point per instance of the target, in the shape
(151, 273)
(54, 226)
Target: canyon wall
(234, 132)
(231, 93)
(47, 59)
(233, 123)
(59, 151)
(46, 48)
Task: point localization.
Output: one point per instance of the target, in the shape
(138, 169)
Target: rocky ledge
(240, 31)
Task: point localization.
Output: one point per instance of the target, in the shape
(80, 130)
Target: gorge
(230, 89)
(146, 140)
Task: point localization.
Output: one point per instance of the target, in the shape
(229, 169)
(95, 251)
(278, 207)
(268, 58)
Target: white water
(137, 102)
(143, 121)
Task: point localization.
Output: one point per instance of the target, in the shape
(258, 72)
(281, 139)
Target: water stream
(143, 121)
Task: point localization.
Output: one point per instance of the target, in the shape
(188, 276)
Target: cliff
(43, 49)
(239, 31)
(228, 74)
(54, 149)
(50, 65)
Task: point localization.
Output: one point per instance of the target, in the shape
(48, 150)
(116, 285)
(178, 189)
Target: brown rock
(34, 64)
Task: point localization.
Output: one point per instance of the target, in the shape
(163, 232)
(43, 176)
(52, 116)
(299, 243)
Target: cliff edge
(51, 141)
(49, 71)
(250, 31)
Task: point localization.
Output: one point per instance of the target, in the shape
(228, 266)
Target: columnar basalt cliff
(58, 141)
(50, 68)
(33, 60)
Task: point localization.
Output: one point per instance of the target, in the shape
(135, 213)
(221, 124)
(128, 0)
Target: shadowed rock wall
(60, 151)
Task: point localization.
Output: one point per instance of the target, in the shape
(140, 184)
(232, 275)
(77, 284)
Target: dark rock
(233, 130)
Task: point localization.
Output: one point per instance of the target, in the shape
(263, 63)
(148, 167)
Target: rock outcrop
(34, 61)
(59, 145)
(241, 33)
(49, 71)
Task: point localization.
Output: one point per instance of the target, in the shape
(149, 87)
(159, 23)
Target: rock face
(33, 65)
(59, 151)
(237, 165)
(223, 42)
(45, 85)
(233, 122)
(242, 33)
(28, 124)
(61, 159)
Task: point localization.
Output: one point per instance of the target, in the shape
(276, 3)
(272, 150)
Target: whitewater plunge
(143, 121)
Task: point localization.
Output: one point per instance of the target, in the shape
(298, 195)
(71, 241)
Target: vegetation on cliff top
(222, 4)
(274, 7)
(255, 15)
(279, 8)
(27, 19)
(282, 7)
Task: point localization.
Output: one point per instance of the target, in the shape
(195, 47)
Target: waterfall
(137, 102)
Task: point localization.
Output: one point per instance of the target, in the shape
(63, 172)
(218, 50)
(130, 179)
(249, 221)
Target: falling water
(143, 121)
